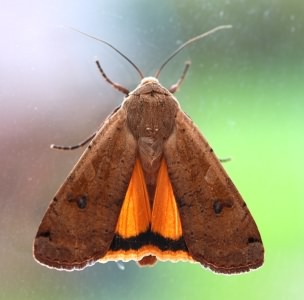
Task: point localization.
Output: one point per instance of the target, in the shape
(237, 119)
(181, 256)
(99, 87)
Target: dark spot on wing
(252, 239)
(82, 202)
(219, 205)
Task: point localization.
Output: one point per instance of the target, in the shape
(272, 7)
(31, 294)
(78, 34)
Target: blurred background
(244, 90)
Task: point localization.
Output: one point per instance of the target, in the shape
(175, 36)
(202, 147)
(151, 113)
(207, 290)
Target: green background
(244, 90)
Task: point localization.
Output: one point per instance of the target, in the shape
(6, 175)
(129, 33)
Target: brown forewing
(218, 228)
(80, 222)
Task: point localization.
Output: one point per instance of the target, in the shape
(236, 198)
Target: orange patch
(135, 214)
(165, 216)
(144, 234)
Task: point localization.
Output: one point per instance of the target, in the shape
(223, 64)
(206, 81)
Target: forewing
(218, 228)
(80, 222)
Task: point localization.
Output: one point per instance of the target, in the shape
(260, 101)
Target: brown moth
(148, 188)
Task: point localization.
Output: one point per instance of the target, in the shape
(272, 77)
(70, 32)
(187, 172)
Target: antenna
(194, 39)
(108, 44)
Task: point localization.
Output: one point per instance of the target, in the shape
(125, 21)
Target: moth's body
(183, 203)
(151, 110)
(149, 187)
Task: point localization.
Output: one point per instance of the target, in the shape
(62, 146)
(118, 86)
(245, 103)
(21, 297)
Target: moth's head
(148, 80)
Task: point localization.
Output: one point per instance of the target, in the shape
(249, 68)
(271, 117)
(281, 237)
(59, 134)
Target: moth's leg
(60, 147)
(223, 160)
(114, 85)
(176, 86)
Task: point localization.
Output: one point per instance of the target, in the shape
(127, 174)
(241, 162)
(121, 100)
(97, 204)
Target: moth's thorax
(151, 110)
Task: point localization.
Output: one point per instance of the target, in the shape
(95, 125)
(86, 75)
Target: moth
(149, 187)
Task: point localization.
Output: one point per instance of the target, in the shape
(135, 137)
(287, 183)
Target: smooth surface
(244, 90)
